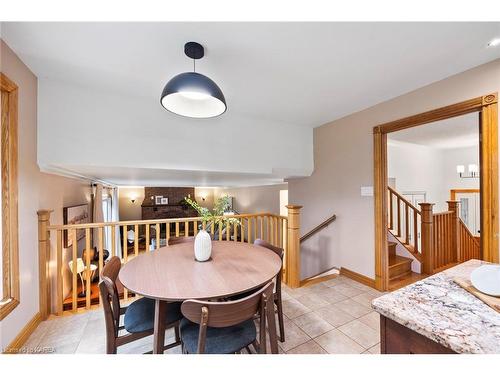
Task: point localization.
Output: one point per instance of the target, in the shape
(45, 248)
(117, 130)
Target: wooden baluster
(186, 229)
(176, 229)
(113, 240)
(427, 240)
(125, 255)
(407, 224)
(228, 230)
(391, 209)
(157, 229)
(147, 237)
(249, 230)
(220, 229)
(277, 230)
(212, 228)
(281, 232)
(242, 229)
(270, 229)
(59, 271)
(88, 288)
(235, 231)
(204, 225)
(136, 239)
(167, 232)
(399, 216)
(455, 227)
(100, 247)
(255, 229)
(74, 270)
(263, 227)
(195, 227)
(415, 230)
(273, 230)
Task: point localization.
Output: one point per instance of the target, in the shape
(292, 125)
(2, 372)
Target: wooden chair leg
(281, 323)
(110, 346)
(271, 325)
(177, 333)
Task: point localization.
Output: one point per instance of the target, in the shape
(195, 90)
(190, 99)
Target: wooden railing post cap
(426, 205)
(293, 207)
(44, 213)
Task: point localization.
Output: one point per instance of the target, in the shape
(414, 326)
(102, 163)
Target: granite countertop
(441, 310)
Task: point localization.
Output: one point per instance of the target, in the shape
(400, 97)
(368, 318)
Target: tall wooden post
(43, 262)
(427, 238)
(293, 253)
(455, 239)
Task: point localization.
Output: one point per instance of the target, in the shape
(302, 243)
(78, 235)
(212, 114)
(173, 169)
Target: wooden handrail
(154, 221)
(318, 228)
(403, 199)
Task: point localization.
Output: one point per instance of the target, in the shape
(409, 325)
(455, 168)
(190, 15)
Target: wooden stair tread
(396, 260)
(399, 266)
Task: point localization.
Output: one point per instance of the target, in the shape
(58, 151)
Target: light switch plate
(367, 191)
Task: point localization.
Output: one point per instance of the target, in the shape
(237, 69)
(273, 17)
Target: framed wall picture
(158, 199)
(79, 214)
(164, 201)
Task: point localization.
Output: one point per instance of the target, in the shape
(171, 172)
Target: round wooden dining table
(171, 273)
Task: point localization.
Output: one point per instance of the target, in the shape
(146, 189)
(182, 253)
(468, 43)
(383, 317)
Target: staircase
(436, 240)
(399, 266)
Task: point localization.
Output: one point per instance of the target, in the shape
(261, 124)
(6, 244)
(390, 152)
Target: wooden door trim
(454, 192)
(10, 241)
(487, 107)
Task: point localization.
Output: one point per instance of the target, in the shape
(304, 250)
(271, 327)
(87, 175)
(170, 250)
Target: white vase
(202, 246)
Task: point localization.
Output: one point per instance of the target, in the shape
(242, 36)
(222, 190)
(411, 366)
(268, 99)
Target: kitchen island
(435, 315)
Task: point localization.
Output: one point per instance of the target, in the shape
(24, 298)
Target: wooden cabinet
(397, 339)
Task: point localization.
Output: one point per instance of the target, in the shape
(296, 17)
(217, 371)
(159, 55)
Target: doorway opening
(432, 236)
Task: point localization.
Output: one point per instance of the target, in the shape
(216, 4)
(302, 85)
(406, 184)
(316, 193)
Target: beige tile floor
(333, 317)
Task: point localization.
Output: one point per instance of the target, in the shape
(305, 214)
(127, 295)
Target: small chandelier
(473, 171)
(192, 94)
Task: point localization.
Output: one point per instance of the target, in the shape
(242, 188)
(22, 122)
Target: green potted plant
(203, 241)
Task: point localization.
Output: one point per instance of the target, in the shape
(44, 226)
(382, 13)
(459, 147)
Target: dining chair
(277, 293)
(176, 240)
(228, 327)
(138, 316)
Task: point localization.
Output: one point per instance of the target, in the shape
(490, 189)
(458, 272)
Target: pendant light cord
(194, 65)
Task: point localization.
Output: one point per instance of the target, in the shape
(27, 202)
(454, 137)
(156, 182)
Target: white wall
(343, 158)
(417, 168)
(459, 156)
(430, 169)
(80, 126)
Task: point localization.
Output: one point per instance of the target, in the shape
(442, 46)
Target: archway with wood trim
(487, 109)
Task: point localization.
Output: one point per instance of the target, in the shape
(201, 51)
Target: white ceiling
(457, 132)
(304, 74)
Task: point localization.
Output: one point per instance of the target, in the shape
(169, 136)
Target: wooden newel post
(427, 238)
(293, 253)
(43, 262)
(455, 239)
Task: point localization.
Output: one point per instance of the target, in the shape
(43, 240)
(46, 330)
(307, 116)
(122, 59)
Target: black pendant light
(192, 94)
